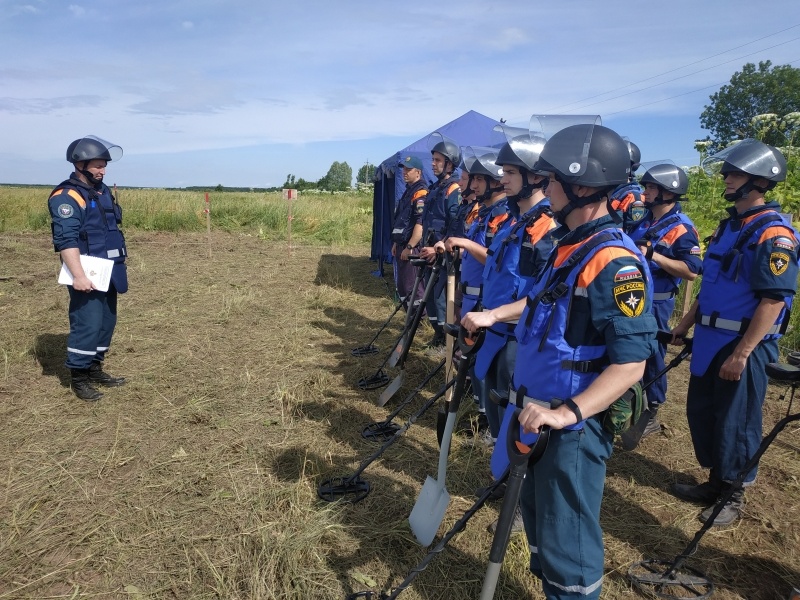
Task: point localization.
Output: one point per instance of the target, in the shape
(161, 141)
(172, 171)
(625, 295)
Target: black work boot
(730, 513)
(653, 425)
(99, 377)
(82, 386)
(704, 493)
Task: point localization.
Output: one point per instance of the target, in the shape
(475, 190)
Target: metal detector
(431, 505)
(397, 382)
(436, 550)
(380, 378)
(370, 347)
(675, 581)
(382, 430)
(631, 438)
(519, 456)
(405, 339)
(352, 488)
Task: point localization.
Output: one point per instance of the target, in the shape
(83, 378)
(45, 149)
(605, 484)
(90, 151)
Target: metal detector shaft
(369, 347)
(398, 434)
(735, 486)
(411, 314)
(456, 528)
(386, 422)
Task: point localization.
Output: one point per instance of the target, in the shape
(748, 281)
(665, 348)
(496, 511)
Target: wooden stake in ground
(208, 222)
(289, 195)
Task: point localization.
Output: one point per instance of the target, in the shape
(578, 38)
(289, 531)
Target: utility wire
(550, 111)
(684, 76)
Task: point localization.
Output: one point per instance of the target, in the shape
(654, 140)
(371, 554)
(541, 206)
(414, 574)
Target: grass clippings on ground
(198, 479)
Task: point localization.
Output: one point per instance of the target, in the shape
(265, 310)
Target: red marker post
(289, 195)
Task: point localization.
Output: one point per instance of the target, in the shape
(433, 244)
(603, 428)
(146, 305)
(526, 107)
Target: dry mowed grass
(198, 479)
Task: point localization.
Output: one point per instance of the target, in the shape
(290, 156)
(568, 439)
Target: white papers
(98, 270)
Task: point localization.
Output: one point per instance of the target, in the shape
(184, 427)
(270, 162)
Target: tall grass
(319, 218)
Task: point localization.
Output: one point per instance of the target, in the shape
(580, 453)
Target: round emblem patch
(629, 291)
(65, 211)
(778, 263)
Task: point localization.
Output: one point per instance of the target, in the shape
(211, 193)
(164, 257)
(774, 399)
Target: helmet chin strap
(659, 200)
(745, 190)
(94, 182)
(576, 201)
(526, 191)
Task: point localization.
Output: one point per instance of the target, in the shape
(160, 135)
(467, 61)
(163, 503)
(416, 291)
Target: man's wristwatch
(409, 247)
(570, 404)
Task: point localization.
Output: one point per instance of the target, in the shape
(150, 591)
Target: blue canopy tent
(470, 129)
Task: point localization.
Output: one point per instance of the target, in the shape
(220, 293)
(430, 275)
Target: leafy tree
(752, 92)
(365, 173)
(219, 188)
(290, 182)
(338, 178)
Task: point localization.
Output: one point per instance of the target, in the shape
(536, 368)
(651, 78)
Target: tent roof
(470, 129)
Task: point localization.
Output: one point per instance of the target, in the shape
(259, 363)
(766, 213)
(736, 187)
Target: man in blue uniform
(85, 221)
(626, 198)
(749, 280)
(584, 333)
(407, 229)
(669, 241)
(441, 212)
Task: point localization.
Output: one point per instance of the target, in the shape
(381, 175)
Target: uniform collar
(587, 229)
(772, 205)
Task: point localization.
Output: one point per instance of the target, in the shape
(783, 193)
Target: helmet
(444, 146)
(586, 154)
(667, 176)
(521, 151)
(753, 158)
(482, 161)
(635, 154)
(92, 148)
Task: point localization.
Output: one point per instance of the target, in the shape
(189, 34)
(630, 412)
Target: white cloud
(187, 25)
(77, 11)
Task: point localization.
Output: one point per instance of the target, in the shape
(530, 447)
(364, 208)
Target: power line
(678, 69)
(679, 95)
(683, 76)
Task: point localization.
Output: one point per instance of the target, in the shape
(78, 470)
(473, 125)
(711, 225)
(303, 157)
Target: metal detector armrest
(783, 373)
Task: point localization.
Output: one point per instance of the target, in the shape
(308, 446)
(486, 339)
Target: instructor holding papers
(85, 222)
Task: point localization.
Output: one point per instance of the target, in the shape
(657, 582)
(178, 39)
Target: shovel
(429, 510)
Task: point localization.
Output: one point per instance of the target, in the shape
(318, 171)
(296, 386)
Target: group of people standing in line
(570, 266)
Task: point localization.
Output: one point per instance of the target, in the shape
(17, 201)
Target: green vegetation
(316, 218)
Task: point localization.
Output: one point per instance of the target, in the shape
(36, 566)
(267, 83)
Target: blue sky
(241, 93)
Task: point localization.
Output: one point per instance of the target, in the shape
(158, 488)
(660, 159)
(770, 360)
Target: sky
(242, 93)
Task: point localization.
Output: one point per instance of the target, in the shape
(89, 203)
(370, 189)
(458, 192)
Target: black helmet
(588, 155)
(445, 146)
(482, 161)
(521, 151)
(635, 154)
(753, 158)
(667, 176)
(92, 148)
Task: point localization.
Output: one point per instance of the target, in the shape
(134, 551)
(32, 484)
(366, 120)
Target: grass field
(198, 479)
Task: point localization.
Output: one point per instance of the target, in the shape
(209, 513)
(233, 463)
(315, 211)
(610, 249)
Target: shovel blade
(428, 512)
(397, 352)
(390, 391)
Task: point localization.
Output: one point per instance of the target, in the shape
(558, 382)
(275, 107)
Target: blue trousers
(499, 377)
(560, 505)
(725, 416)
(92, 319)
(657, 391)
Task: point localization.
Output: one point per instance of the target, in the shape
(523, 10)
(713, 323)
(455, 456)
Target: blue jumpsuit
(407, 215)
(751, 256)
(515, 257)
(88, 219)
(673, 236)
(441, 212)
(589, 308)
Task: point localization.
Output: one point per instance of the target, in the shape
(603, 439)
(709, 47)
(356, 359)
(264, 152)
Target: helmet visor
(748, 156)
(568, 156)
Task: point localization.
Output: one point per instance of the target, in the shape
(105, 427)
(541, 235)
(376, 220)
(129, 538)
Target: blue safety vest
(626, 199)
(404, 221)
(663, 282)
(100, 234)
(438, 210)
(548, 366)
(726, 302)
